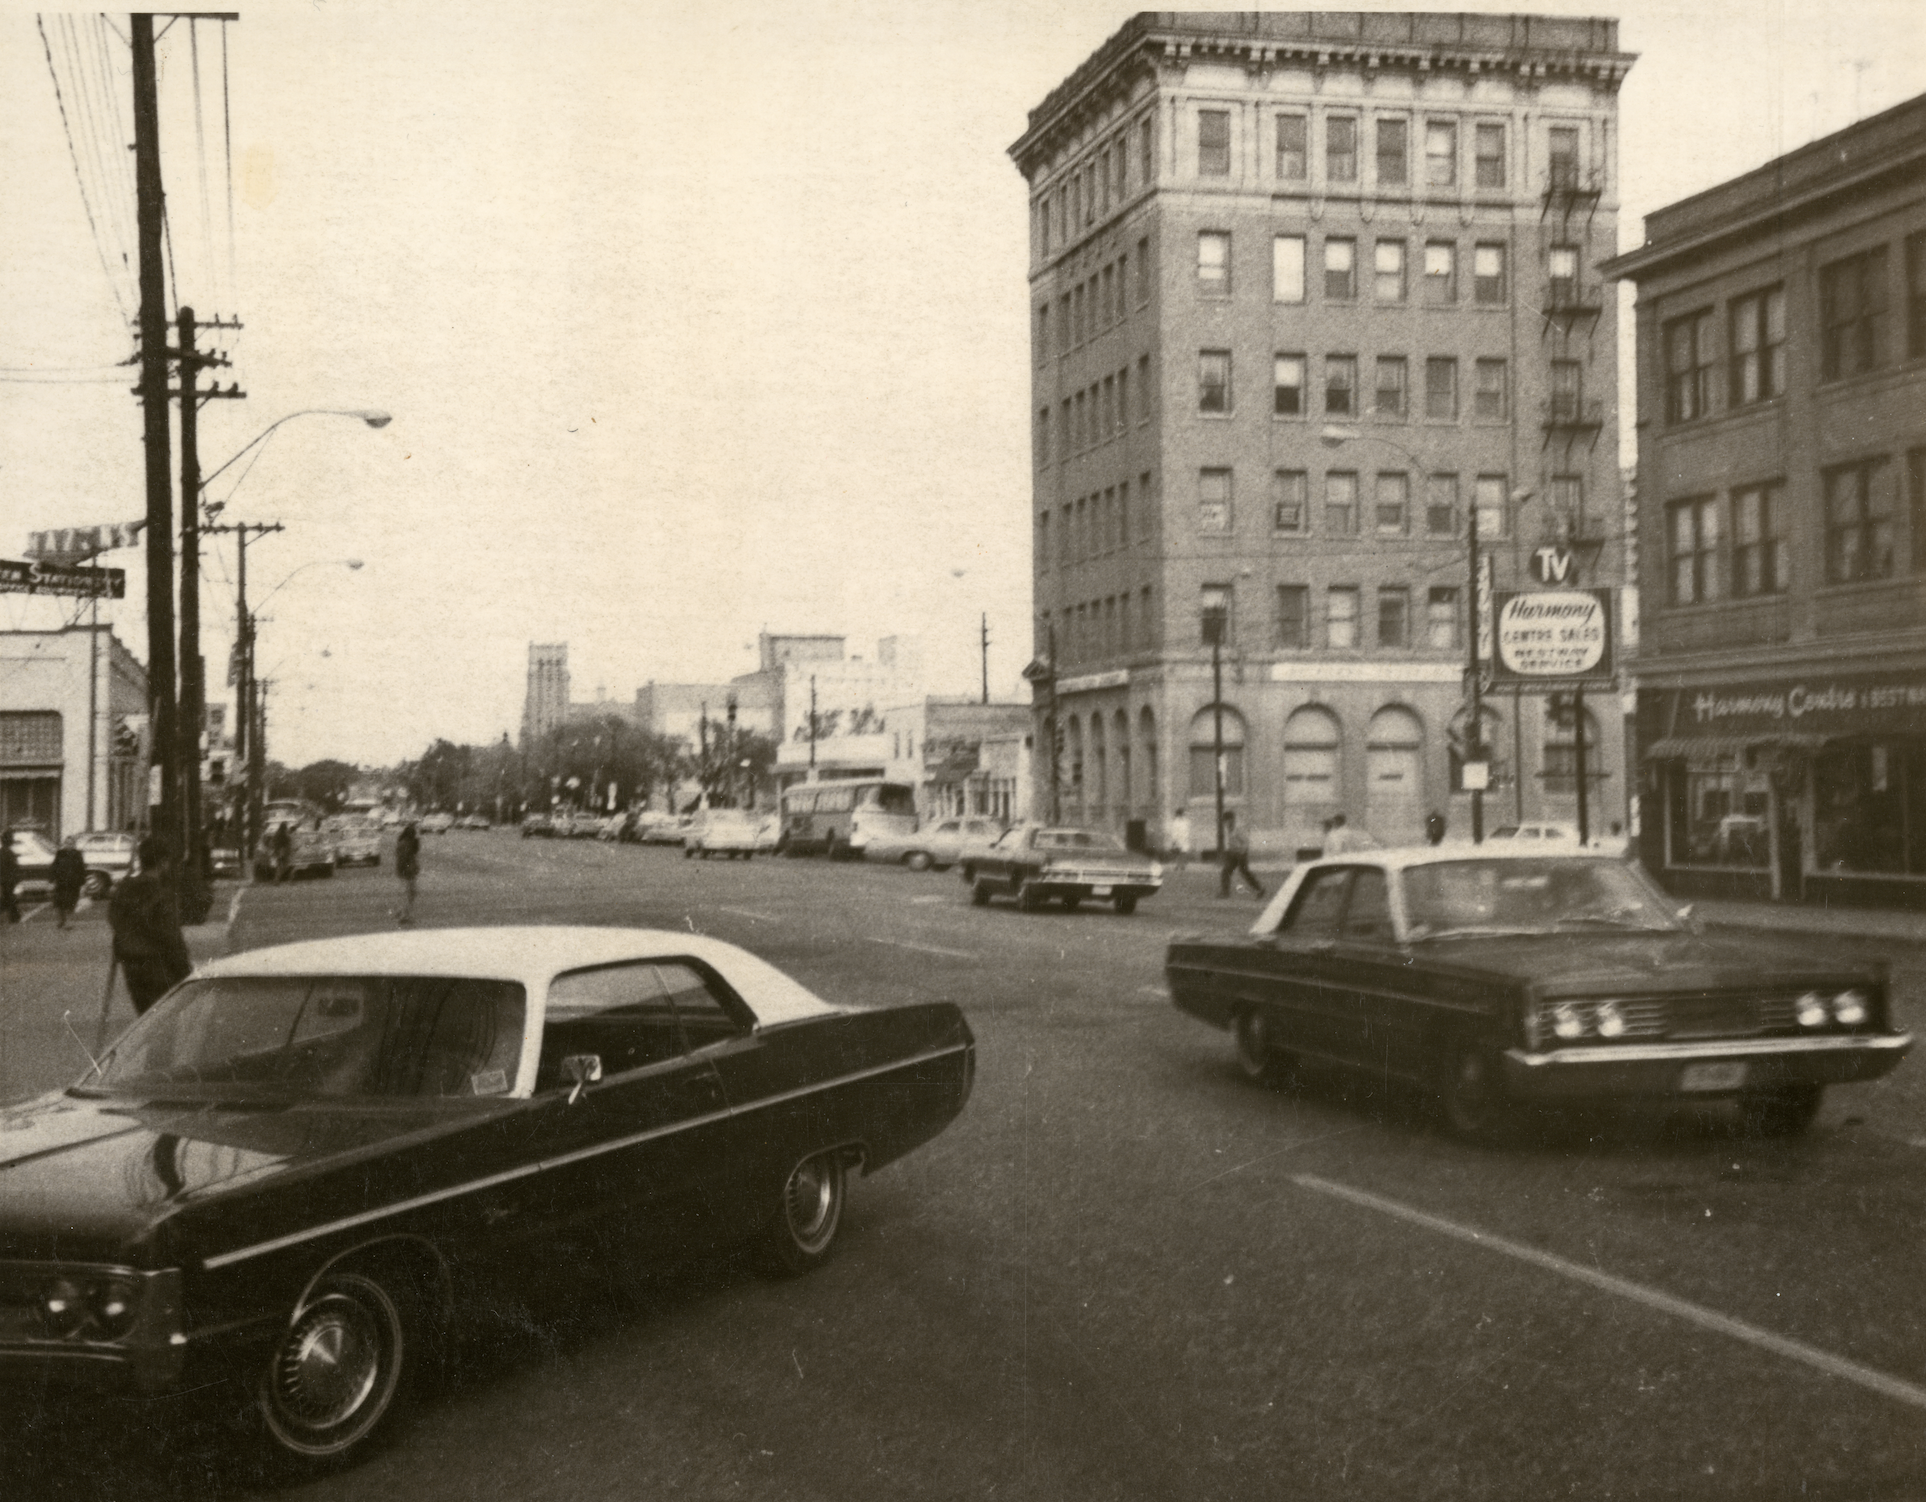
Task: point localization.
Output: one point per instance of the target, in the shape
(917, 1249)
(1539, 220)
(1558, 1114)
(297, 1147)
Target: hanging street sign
(32, 578)
(72, 544)
(1552, 565)
(1553, 637)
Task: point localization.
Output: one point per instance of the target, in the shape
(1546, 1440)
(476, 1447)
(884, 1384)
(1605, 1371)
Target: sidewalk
(1794, 918)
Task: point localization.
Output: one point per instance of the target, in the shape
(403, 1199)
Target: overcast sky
(693, 320)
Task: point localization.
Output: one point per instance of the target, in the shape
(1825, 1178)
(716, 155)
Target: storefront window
(1869, 808)
(1719, 814)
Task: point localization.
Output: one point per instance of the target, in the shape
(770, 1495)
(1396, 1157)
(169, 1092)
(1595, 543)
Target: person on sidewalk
(1177, 837)
(9, 877)
(1434, 828)
(408, 868)
(1236, 847)
(1341, 839)
(281, 849)
(146, 918)
(69, 876)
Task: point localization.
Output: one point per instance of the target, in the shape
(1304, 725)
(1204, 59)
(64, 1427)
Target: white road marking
(1159, 991)
(743, 912)
(1638, 1293)
(28, 915)
(925, 901)
(955, 954)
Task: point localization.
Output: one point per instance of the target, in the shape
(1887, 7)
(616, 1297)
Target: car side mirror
(581, 1070)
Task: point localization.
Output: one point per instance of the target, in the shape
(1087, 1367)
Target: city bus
(839, 819)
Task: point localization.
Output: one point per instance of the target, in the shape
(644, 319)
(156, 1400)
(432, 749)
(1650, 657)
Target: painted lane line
(1638, 1293)
(955, 954)
(743, 912)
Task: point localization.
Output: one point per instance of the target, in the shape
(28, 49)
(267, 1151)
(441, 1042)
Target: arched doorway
(1312, 747)
(1073, 757)
(1099, 773)
(1203, 754)
(1394, 776)
(1129, 795)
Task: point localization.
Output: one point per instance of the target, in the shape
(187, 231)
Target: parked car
(1498, 977)
(311, 848)
(1035, 865)
(951, 839)
(353, 1134)
(537, 826)
(435, 823)
(654, 827)
(722, 831)
(1567, 834)
(111, 856)
(357, 842)
(474, 821)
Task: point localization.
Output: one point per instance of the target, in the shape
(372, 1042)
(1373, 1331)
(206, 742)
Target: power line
(67, 128)
(227, 146)
(200, 137)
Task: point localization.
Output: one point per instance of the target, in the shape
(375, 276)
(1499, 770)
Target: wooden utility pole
(244, 731)
(149, 204)
(984, 640)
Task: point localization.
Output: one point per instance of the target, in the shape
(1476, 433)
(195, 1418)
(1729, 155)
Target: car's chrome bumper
(1661, 1069)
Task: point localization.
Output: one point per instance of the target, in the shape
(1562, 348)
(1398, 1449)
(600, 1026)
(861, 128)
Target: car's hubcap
(328, 1365)
(810, 1203)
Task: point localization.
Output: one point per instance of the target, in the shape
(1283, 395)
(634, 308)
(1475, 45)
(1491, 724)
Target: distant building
(1782, 524)
(938, 746)
(682, 710)
(73, 708)
(1307, 291)
(545, 705)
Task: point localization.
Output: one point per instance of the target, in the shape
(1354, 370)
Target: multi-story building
(1782, 524)
(1307, 292)
(545, 704)
(73, 707)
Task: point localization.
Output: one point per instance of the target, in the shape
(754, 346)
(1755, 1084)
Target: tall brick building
(545, 702)
(1305, 288)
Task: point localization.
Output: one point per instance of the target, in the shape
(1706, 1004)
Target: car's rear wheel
(803, 1229)
(1029, 898)
(917, 860)
(1473, 1100)
(688, 852)
(97, 884)
(337, 1370)
(1072, 903)
(1258, 1057)
(980, 893)
(1126, 906)
(1785, 1112)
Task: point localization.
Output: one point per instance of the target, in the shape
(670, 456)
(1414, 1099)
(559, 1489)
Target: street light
(1335, 436)
(1216, 605)
(373, 417)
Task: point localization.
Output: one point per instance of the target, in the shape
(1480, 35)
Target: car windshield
(1554, 894)
(1076, 839)
(282, 1039)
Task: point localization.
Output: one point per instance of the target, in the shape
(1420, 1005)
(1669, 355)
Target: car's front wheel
(336, 1372)
(1258, 1057)
(803, 1229)
(1473, 1100)
(97, 884)
(917, 860)
(1785, 1112)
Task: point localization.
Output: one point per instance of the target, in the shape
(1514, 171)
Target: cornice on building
(1532, 48)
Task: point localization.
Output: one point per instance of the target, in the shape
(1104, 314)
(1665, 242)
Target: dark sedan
(1035, 865)
(1496, 979)
(285, 1173)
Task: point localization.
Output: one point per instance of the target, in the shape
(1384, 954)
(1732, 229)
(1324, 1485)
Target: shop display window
(1869, 808)
(1719, 815)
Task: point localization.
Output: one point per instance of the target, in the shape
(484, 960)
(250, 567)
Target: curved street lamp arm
(374, 418)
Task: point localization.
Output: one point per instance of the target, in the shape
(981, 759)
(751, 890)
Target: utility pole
(149, 203)
(986, 656)
(812, 727)
(244, 736)
(1475, 731)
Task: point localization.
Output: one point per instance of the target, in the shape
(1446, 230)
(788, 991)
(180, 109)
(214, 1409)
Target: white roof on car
(533, 955)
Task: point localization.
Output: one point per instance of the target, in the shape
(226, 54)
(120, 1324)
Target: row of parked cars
(109, 855)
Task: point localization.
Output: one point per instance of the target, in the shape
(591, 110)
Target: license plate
(1100, 891)
(1698, 1077)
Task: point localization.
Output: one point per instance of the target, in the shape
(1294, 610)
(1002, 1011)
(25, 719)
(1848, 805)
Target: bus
(839, 819)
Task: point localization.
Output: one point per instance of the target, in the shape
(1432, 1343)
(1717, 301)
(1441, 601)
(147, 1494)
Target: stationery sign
(1553, 636)
(62, 579)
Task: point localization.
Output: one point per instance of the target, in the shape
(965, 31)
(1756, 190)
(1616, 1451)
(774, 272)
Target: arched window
(1203, 754)
(1311, 765)
(1129, 795)
(1147, 742)
(1073, 765)
(1099, 772)
(1394, 776)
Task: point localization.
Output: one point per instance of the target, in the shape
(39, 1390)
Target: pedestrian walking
(9, 877)
(408, 868)
(69, 876)
(146, 918)
(281, 848)
(1177, 836)
(1236, 848)
(1434, 827)
(1341, 839)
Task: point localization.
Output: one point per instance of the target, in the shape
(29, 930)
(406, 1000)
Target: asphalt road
(1125, 1273)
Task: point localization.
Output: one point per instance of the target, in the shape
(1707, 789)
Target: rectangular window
(1759, 565)
(1341, 616)
(1287, 386)
(1077, 325)
(1692, 536)
(1143, 388)
(1491, 397)
(1287, 268)
(1568, 497)
(1123, 398)
(1440, 153)
(1491, 501)
(1340, 270)
(1123, 514)
(1389, 401)
(1293, 617)
(1043, 333)
(1340, 385)
(1561, 268)
(1758, 347)
(1441, 505)
(1213, 143)
(1387, 271)
(1043, 542)
(1213, 263)
(1915, 295)
(1147, 150)
(1123, 287)
(1214, 381)
(1143, 272)
(1567, 390)
(1562, 157)
(1043, 436)
(1861, 522)
(1063, 324)
(1341, 149)
(1441, 617)
(1110, 423)
(1126, 639)
(1288, 510)
(1292, 149)
(1393, 139)
(1340, 503)
(1214, 500)
(1688, 367)
(1394, 617)
(1488, 276)
(1441, 387)
(1916, 505)
(1146, 506)
(1082, 430)
(1852, 314)
(1148, 622)
(1393, 506)
(1440, 273)
(1107, 301)
(1489, 146)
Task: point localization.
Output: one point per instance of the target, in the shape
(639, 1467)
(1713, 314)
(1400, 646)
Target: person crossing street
(1236, 849)
(408, 868)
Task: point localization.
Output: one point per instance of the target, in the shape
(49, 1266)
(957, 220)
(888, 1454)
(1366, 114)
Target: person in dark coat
(408, 868)
(1434, 827)
(9, 877)
(146, 918)
(69, 876)
(1236, 857)
(281, 848)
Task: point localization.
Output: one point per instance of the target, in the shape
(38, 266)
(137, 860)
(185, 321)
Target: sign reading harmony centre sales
(1562, 635)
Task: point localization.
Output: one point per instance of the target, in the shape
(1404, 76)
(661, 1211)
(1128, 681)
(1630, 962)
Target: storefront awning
(1730, 745)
